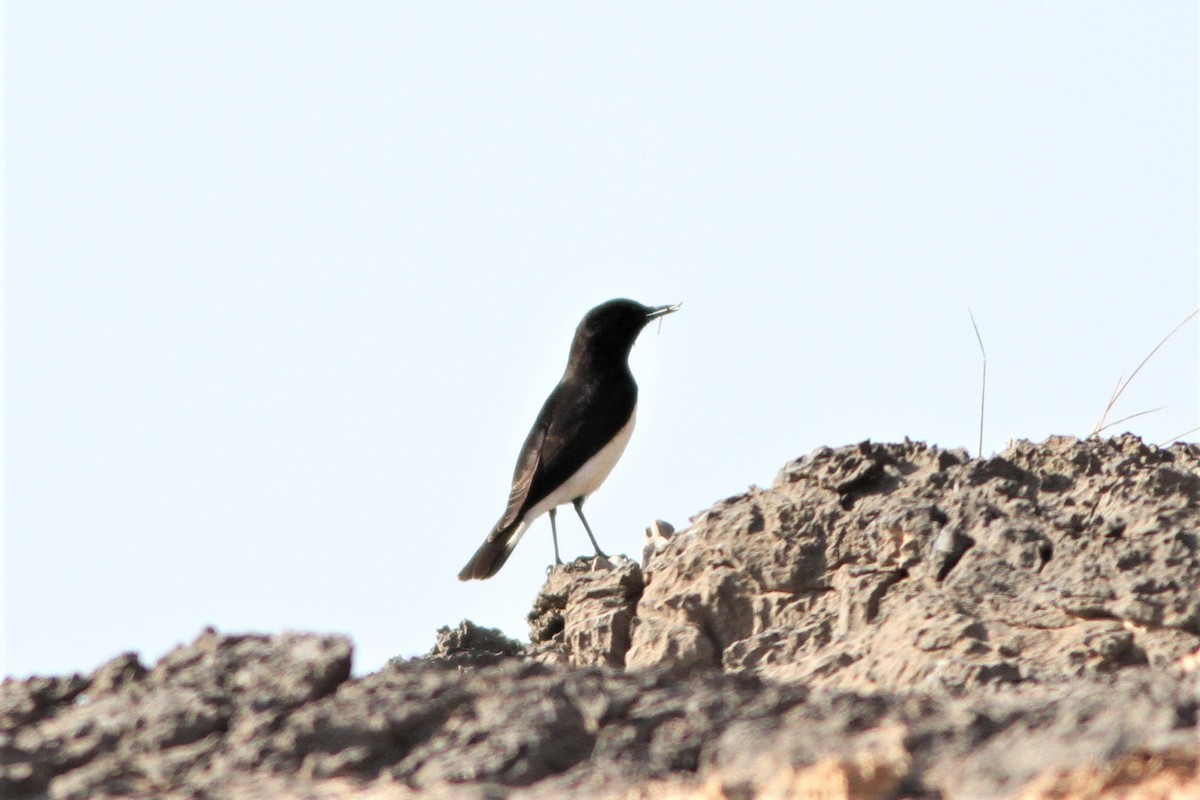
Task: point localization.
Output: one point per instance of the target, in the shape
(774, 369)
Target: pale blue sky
(286, 282)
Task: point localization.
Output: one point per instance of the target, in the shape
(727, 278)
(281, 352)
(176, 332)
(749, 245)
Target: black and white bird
(578, 436)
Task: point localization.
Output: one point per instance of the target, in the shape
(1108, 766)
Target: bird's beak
(662, 311)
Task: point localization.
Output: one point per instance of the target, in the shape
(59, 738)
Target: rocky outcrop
(128, 731)
(884, 621)
(584, 612)
(890, 567)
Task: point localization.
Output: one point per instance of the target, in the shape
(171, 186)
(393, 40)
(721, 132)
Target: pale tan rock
(584, 612)
(1170, 775)
(883, 621)
(884, 566)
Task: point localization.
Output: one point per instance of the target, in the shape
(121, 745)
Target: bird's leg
(554, 535)
(579, 510)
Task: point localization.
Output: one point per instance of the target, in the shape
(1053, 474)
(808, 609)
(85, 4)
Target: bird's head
(609, 330)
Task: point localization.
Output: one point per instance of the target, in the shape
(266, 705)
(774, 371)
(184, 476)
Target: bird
(579, 434)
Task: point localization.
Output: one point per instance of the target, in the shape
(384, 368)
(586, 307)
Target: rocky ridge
(885, 620)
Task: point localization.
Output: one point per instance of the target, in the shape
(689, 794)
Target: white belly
(590, 475)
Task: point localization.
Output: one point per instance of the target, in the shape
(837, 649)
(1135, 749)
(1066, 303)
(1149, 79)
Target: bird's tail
(494, 551)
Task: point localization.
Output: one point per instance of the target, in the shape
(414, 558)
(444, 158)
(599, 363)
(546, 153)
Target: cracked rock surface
(884, 621)
(887, 567)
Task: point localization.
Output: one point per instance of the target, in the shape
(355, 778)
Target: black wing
(579, 420)
(496, 548)
(575, 423)
(523, 475)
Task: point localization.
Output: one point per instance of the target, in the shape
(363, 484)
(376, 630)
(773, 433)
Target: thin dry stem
(1121, 387)
(983, 383)
(1177, 437)
(1131, 416)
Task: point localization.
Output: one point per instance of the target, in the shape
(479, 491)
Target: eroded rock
(889, 566)
(884, 621)
(584, 611)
